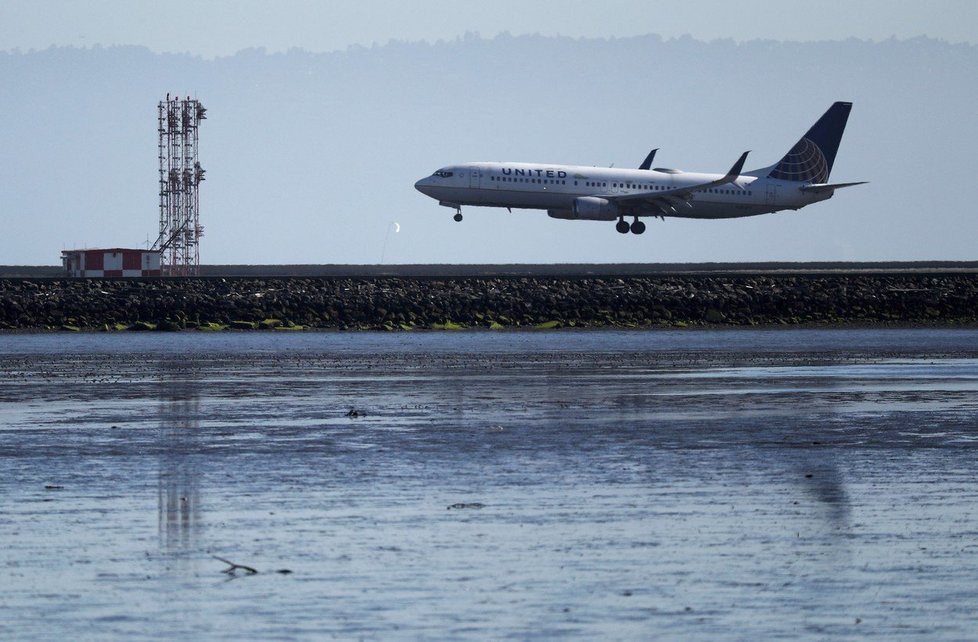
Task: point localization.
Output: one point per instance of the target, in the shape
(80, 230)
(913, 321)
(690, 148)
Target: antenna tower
(180, 176)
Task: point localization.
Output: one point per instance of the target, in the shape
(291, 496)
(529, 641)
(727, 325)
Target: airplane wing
(667, 200)
(818, 188)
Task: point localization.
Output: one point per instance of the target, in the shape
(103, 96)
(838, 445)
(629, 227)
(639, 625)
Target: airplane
(574, 192)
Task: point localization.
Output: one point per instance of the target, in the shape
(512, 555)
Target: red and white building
(114, 262)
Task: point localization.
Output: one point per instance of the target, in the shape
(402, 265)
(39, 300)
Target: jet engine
(592, 208)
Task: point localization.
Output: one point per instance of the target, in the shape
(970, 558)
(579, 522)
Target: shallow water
(615, 485)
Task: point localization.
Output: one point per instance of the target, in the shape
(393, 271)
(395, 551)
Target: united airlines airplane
(575, 192)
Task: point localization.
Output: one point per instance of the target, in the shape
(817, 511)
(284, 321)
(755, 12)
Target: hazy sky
(330, 121)
(222, 27)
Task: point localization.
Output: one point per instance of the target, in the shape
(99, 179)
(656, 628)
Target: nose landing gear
(455, 206)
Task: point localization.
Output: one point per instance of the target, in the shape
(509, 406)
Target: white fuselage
(555, 188)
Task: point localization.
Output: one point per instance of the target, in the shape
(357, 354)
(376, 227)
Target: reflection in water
(825, 483)
(179, 478)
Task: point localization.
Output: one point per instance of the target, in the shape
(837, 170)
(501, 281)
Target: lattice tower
(180, 177)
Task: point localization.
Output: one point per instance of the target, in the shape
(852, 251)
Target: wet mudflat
(595, 485)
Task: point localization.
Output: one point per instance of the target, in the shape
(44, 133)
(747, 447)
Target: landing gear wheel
(458, 217)
(622, 226)
(638, 227)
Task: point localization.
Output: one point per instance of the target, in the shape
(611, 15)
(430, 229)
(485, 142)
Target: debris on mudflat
(53, 487)
(354, 413)
(461, 505)
(233, 568)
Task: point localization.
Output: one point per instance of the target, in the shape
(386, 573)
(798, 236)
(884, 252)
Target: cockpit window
(443, 174)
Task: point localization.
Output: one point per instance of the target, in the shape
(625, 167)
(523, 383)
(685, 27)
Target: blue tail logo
(811, 159)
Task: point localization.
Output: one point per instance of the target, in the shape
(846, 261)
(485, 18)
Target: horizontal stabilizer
(819, 188)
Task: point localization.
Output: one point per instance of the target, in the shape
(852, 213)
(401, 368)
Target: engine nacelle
(566, 215)
(593, 208)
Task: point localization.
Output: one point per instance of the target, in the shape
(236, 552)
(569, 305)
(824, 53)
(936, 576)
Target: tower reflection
(179, 497)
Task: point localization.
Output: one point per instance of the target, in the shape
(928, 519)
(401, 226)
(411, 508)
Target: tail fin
(810, 160)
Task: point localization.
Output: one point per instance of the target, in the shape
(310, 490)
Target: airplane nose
(423, 186)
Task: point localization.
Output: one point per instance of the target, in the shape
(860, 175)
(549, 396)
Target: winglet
(647, 163)
(737, 168)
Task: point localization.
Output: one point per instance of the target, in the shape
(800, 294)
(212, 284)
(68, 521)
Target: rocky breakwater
(394, 303)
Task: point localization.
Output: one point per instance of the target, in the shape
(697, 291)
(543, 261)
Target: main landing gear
(637, 226)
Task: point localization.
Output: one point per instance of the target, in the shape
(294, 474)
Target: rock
(713, 316)
(398, 304)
